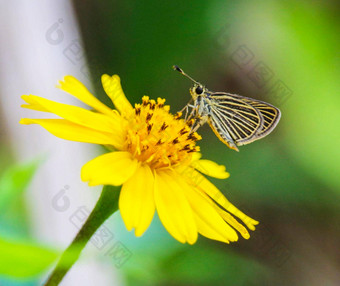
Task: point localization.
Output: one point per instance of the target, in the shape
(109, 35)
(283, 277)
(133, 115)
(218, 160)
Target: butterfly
(236, 120)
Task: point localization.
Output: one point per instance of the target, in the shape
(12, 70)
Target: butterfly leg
(186, 108)
(193, 109)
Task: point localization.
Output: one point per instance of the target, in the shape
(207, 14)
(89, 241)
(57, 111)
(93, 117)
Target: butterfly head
(197, 90)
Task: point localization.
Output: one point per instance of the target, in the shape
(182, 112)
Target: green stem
(105, 207)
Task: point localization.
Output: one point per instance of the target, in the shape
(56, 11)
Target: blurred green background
(282, 52)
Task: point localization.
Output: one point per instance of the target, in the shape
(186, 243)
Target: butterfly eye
(199, 90)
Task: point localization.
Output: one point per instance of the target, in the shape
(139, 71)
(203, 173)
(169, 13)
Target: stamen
(194, 149)
(190, 122)
(194, 136)
(149, 116)
(163, 127)
(137, 110)
(186, 147)
(150, 144)
(175, 141)
(149, 127)
(145, 147)
(152, 104)
(191, 136)
(178, 115)
(183, 131)
(145, 100)
(160, 102)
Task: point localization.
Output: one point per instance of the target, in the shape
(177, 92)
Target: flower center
(157, 137)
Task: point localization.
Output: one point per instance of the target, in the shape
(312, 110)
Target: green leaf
(24, 260)
(14, 181)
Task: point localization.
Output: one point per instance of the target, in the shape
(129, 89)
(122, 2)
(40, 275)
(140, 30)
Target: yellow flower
(154, 157)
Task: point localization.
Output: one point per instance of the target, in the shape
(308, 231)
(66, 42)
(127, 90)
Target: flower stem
(104, 208)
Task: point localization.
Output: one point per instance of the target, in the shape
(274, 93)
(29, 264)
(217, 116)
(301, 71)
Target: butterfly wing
(258, 118)
(271, 116)
(222, 132)
(234, 121)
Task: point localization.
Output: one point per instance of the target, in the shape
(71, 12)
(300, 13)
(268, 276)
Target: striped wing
(234, 121)
(271, 116)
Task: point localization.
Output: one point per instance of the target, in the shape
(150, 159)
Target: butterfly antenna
(177, 68)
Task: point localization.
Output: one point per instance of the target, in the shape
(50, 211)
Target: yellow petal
(69, 131)
(209, 221)
(136, 200)
(207, 187)
(210, 168)
(233, 222)
(196, 156)
(113, 89)
(113, 168)
(32, 104)
(74, 87)
(173, 208)
(75, 114)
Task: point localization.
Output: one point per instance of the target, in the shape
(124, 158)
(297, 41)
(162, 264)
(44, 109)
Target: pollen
(156, 137)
